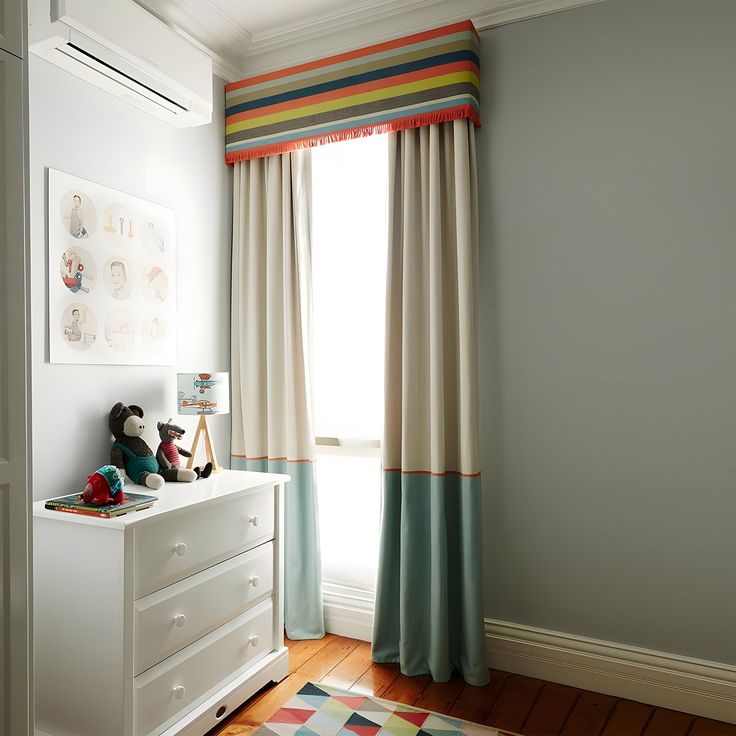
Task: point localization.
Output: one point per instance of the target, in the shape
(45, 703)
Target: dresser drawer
(173, 546)
(167, 691)
(170, 619)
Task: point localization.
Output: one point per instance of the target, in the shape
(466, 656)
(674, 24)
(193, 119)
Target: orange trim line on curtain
(266, 457)
(431, 472)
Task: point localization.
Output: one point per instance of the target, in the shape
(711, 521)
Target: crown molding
(334, 22)
(378, 20)
(511, 11)
(237, 52)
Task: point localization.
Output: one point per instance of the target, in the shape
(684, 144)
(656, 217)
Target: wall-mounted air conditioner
(122, 48)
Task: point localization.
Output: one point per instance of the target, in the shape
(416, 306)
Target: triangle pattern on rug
(310, 689)
(379, 717)
(352, 701)
(363, 730)
(282, 729)
(322, 718)
(443, 723)
(413, 717)
(436, 722)
(374, 706)
(361, 725)
(313, 701)
(399, 726)
(304, 731)
(321, 710)
(291, 715)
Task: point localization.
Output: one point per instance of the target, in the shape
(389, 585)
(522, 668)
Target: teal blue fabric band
(429, 608)
(303, 614)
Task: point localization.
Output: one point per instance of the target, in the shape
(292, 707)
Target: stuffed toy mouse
(168, 452)
(131, 454)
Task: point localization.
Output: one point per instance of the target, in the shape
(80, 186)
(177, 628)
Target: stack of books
(74, 505)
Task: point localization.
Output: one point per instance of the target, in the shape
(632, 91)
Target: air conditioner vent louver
(123, 49)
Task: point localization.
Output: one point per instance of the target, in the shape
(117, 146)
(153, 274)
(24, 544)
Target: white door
(16, 689)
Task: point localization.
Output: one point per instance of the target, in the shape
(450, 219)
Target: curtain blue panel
(429, 615)
(429, 609)
(303, 613)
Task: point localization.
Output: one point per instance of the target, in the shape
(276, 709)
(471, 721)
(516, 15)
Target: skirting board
(694, 686)
(348, 611)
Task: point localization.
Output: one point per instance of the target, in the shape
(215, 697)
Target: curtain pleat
(429, 607)
(271, 317)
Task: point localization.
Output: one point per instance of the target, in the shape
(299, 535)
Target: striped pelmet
(426, 78)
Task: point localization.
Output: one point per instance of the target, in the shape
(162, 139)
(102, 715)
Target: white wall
(608, 323)
(82, 130)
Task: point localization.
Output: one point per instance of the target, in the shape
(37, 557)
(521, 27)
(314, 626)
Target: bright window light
(349, 283)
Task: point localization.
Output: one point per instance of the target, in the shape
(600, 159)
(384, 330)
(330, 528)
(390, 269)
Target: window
(349, 277)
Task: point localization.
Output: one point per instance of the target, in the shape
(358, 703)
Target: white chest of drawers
(161, 621)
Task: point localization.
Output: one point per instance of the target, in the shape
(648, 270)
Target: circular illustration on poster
(155, 234)
(155, 284)
(79, 327)
(118, 225)
(77, 269)
(119, 330)
(155, 331)
(78, 214)
(117, 275)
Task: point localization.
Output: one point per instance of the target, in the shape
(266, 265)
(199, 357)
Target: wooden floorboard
(509, 702)
(514, 702)
(550, 711)
(628, 718)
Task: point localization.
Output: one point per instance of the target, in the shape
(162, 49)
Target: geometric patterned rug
(319, 710)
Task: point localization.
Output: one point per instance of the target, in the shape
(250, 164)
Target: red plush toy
(104, 487)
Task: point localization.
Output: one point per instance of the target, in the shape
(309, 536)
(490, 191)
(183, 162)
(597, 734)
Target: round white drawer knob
(254, 581)
(180, 549)
(253, 641)
(255, 520)
(180, 620)
(179, 692)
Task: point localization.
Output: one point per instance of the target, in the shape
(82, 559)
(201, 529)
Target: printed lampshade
(203, 393)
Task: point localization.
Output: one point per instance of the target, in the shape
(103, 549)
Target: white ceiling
(246, 37)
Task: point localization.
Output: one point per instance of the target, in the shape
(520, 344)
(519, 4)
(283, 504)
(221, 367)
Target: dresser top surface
(172, 496)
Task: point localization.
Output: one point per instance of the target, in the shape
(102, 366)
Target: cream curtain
(429, 610)
(271, 314)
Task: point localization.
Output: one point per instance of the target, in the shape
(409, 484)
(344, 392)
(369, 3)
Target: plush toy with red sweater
(168, 451)
(103, 487)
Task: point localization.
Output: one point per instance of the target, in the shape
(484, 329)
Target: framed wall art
(112, 275)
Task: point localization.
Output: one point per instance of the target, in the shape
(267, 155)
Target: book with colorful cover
(74, 504)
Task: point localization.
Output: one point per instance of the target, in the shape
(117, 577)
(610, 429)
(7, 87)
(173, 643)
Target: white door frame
(16, 682)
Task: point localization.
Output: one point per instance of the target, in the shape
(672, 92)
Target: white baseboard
(666, 680)
(694, 686)
(348, 611)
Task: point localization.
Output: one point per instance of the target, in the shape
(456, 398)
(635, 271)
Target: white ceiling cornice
(331, 23)
(238, 52)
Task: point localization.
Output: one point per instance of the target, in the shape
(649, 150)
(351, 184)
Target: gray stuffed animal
(168, 452)
(132, 456)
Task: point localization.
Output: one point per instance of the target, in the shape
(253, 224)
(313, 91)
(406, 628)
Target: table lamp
(203, 394)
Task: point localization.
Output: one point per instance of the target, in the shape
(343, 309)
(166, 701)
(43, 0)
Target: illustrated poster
(112, 275)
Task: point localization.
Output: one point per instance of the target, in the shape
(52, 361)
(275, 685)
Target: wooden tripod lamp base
(209, 449)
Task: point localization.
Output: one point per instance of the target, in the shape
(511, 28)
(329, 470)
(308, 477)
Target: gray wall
(608, 323)
(82, 130)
